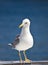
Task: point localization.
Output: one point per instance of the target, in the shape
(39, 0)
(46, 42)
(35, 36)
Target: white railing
(23, 62)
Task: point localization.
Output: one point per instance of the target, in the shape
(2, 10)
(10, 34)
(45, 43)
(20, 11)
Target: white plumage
(26, 39)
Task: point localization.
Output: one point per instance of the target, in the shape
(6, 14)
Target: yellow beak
(21, 25)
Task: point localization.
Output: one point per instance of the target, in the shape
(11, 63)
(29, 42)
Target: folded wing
(16, 41)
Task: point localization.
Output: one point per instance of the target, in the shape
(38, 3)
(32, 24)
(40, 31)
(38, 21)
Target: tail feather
(10, 44)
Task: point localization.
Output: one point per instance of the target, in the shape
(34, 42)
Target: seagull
(24, 41)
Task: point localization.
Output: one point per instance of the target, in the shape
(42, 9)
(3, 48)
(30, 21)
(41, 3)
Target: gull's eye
(26, 23)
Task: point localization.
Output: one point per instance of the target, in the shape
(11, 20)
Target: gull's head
(25, 23)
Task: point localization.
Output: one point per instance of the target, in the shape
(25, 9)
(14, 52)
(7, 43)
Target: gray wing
(16, 41)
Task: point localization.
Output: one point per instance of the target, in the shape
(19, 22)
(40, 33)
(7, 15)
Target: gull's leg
(20, 57)
(26, 59)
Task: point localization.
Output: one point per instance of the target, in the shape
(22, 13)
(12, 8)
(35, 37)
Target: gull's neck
(25, 31)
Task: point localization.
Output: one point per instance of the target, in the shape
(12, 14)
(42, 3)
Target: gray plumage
(15, 42)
